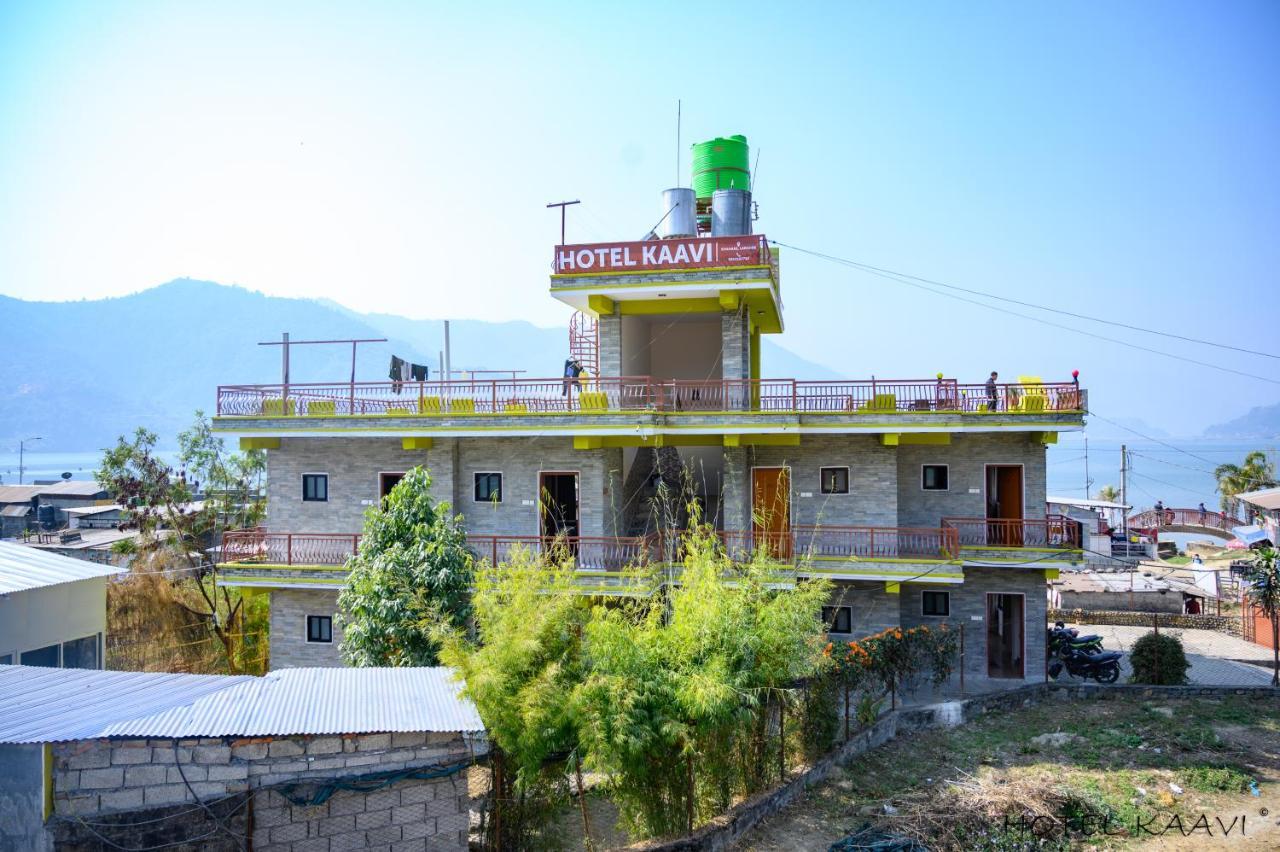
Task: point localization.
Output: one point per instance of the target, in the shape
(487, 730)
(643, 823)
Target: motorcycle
(1102, 666)
(1062, 636)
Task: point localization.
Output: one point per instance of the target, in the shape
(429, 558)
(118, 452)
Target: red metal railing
(1183, 518)
(590, 553)
(847, 542)
(601, 395)
(249, 546)
(1052, 531)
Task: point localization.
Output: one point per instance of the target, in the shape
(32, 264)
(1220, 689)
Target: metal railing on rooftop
(1050, 532)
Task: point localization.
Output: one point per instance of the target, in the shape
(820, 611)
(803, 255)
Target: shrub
(1158, 658)
(1215, 779)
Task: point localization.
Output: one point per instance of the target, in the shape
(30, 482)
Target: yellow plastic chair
(514, 408)
(593, 401)
(398, 412)
(1032, 398)
(462, 406)
(881, 402)
(321, 407)
(430, 405)
(278, 407)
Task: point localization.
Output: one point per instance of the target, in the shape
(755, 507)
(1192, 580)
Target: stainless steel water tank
(682, 220)
(730, 212)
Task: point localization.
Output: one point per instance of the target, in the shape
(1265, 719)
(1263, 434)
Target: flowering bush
(892, 656)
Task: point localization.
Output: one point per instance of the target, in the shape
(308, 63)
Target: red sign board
(691, 253)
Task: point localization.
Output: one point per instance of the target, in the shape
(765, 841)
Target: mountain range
(78, 374)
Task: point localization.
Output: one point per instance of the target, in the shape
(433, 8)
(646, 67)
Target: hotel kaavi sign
(692, 253)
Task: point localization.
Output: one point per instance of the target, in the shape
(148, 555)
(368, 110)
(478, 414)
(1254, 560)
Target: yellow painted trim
(930, 439)
(1046, 437)
(729, 300)
(47, 782)
(569, 276)
(599, 305)
(584, 442)
(270, 582)
(762, 440)
(889, 560)
(890, 439)
(648, 307)
(416, 443)
(1052, 573)
(892, 588)
(1061, 550)
(266, 443)
(276, 566)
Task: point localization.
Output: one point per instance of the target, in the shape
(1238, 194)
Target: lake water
(1180, 477)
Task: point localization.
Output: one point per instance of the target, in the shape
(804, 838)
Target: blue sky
(1114, 159)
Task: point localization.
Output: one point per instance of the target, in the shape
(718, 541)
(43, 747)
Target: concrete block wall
(289, 645)
(736, 337)
(100, 778)
(610, 330)
(873, 472)
(967, 457)
(352, 465)
(873, 609)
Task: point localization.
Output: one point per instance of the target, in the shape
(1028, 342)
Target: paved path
(1213, 655)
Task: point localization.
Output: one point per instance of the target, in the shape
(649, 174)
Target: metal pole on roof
(22, 448)
(448, 364)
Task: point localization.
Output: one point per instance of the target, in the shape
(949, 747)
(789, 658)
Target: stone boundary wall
(725, 830)
(1229, 624)
(122, 785)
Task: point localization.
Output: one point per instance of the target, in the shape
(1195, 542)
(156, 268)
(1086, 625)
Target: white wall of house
(37, 618)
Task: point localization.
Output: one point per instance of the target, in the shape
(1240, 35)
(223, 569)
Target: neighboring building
(287, 762)
(1264, 510)
(924, 500)
(30, 507)
(1126, 591)
(53, 609)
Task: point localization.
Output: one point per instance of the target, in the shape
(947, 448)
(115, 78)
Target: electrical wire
(869, 268)
(893, 276)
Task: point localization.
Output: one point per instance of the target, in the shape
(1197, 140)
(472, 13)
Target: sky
(1112, 159)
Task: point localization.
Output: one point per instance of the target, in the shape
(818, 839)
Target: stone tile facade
(155, 782)
(872, 498)
(289, 645)
(967, 457)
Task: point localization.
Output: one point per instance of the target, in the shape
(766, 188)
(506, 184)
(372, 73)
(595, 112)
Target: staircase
(584, 341)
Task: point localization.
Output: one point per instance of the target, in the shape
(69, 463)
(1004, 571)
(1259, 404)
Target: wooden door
(771, 510)
(559, 506)
(1006, 633)
(1004, 505)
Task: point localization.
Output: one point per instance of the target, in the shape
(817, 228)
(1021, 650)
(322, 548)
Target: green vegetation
(164, 614)
(1255, 473)
(1108, 493)
(683, 703)
(1262, 588)
(1158, 658)
(412, 572)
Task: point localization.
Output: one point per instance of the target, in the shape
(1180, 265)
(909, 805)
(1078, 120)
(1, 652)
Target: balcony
(1023, 539)
(515, 401)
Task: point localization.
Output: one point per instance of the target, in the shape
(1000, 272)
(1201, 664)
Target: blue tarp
(1250, 535)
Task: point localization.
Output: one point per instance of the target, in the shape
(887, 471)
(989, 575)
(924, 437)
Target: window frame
(306, 626)
(305, 498)
(833, 623)
(946, 596)
(945, 467)
(475, 486)
(822, 483)
(382, 474)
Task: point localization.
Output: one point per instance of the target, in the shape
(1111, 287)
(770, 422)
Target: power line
(906, 279)
(868, 267)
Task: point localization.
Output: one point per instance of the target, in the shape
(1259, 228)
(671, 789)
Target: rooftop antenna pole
(562, 205)
(677, 142)
(448, 367)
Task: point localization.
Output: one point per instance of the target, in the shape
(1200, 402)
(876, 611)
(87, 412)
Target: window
(387, 481)
(6, 659)
(315, 487)
(935, 603)
(835, 480)
(319, 628)
(488, 488)
(934, 477)
(839, 619)
(47, 657)
(81, 653)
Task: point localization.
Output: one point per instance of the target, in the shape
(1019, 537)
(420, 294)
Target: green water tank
(720, 164)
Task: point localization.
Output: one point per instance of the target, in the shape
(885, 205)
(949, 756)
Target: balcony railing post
(288, 549)
(493, 405)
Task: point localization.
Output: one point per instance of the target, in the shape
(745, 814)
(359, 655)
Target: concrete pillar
(735, 499)
(610, 327)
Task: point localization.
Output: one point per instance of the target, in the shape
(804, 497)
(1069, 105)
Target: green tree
(413, 570)
(231, 482)
(1262, 589)
(1108, 493)
(1255, 473)
(175, 532)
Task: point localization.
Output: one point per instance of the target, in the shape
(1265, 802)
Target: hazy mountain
(1260, 422)
(80, 373)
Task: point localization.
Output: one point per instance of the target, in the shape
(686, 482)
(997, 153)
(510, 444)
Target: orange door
(1004, 505)
(771, 510)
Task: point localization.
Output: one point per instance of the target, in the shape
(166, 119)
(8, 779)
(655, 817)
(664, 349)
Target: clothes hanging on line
(572, 370)
(419, 372)
(397, 373)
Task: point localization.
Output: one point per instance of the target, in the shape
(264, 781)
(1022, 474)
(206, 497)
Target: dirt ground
(1099, 775)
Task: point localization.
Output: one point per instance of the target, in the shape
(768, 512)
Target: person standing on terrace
(993, 395)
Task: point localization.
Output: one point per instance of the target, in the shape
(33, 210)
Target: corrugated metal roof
(23, 568)
(18, 493)
(67, 488)
(86, 705)
(1267, 498)
(16, 510)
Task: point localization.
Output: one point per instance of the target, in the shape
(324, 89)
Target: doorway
(387, 481)
(771, 510)
(1006, 636)
(558, 505)
(1004, 505)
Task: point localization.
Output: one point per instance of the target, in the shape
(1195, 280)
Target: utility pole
(448, 361)
(1124, 491)
(22, 448)
(562, 205)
